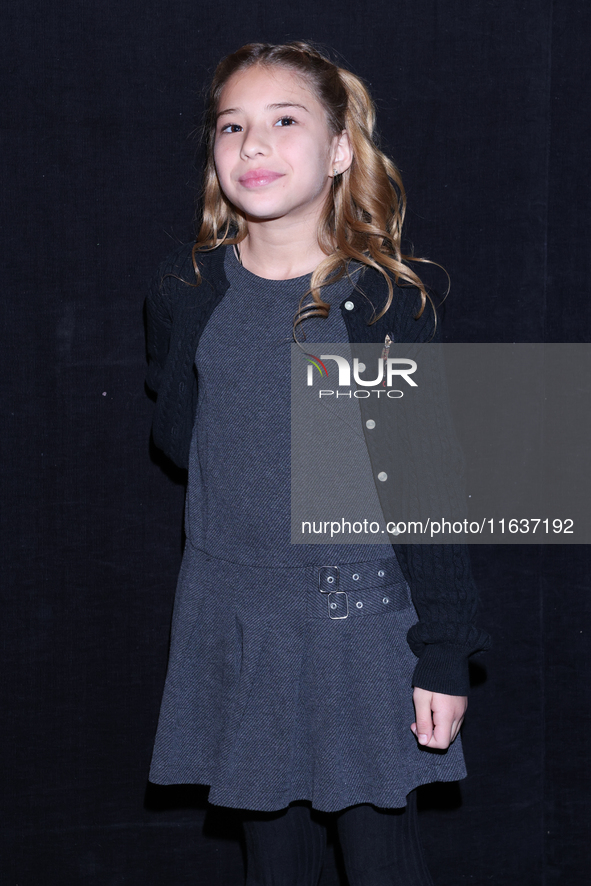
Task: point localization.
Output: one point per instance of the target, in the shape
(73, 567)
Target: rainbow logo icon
(317, 362)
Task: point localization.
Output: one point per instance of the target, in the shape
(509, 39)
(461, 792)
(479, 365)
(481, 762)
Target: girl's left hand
(438, 717)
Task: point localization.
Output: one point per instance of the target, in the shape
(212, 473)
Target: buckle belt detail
(367, 588)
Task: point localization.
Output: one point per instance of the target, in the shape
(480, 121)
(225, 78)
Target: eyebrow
(277, 106)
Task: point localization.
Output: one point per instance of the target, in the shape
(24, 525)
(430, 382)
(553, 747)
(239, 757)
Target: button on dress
(289, 673)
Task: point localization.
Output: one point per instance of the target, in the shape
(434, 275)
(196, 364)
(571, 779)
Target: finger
(448, 716)
(441, 736)
(446, 729)
(443, 721)
(424, 718)
(415, 732)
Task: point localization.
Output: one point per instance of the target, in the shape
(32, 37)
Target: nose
(254, 142)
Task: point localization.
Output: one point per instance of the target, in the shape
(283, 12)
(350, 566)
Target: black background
(485, 107)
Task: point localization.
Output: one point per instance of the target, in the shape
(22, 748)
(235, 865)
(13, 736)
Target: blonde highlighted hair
(364, 213)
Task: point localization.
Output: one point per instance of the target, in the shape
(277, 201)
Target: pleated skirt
(293, 683)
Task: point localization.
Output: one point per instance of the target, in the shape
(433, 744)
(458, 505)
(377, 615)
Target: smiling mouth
(256, 178)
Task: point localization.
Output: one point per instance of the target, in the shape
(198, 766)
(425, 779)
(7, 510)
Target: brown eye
(285, 121)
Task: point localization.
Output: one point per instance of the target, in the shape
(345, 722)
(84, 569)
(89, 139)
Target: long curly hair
(364, 212)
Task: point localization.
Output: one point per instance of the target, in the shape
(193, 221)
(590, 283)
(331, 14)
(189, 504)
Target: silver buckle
(336, 577)
(333, 592)
(337, 594)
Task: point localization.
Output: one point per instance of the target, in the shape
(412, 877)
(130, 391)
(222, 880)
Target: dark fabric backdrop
(485, 107)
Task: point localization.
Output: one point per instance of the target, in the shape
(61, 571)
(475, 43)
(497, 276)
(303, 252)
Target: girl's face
(274, 152)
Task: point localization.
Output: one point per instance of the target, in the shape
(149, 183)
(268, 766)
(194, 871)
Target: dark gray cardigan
(439, 576)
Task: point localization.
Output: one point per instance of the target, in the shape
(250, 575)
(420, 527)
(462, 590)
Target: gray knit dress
(271, 695)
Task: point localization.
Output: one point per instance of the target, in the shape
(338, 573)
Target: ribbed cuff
(442, 668)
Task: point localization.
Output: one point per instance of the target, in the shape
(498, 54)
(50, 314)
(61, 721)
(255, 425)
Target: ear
(342, 153)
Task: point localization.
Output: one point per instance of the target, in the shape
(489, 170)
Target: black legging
(380, 847)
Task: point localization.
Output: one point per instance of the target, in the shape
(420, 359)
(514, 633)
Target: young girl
(287, 707)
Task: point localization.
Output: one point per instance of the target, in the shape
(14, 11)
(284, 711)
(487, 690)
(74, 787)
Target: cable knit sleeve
(417, 452)
(440, 575)
(445, 597)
